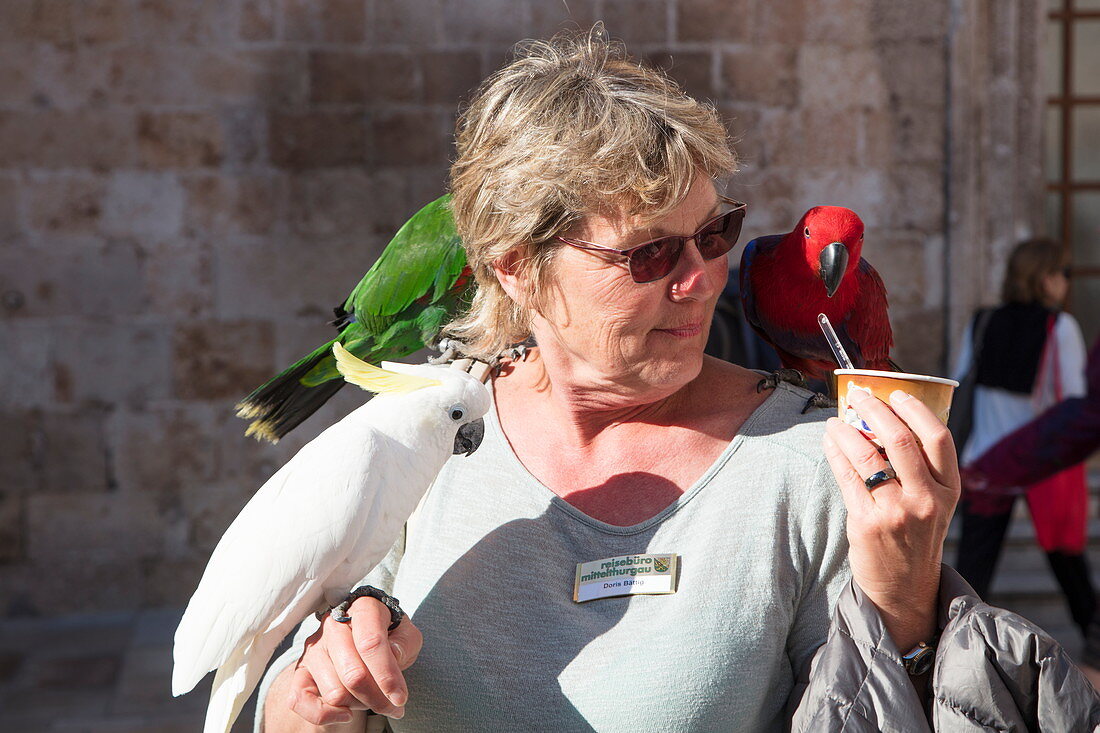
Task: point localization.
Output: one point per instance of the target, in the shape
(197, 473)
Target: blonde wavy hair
(570, 127)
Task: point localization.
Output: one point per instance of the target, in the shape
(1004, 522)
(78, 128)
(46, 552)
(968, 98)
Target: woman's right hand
(347, 668)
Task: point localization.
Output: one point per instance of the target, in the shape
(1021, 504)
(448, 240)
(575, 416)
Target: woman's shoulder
(1070, 337)
(791, 423)
(781, 445)
(783, 417)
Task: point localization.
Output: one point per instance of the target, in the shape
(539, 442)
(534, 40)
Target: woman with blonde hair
(644, 540)
(1026, 355)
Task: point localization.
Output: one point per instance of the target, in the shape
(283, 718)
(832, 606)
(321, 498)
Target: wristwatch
(918, 660)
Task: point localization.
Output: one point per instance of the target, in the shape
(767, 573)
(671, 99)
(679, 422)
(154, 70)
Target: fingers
(327, 665)
(307, 703)
(371, 644)
(355, 666)
(406, 641)
(900, 443)
(935, 438)
(861, 453)
(345, 679)
(852, 489)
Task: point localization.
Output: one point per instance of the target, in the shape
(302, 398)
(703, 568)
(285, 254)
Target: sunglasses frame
(627, 254)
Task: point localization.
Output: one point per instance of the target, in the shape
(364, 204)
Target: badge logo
(626, 576)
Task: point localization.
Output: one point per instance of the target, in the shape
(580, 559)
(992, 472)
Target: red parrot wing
(761, 247)
(869, 324)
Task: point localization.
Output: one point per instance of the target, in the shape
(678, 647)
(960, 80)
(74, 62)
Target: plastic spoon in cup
(845, 363)
(834, 342)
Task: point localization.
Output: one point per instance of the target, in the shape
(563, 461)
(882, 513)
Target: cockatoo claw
(339, 612)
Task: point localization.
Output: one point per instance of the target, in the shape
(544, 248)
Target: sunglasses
(655, 259)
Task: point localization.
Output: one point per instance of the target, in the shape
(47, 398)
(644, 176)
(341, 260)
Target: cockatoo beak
(469, 437)
(834, 263)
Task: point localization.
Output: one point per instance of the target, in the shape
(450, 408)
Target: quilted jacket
(994, 671)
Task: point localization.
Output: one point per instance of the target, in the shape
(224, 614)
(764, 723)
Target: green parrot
(416, 286)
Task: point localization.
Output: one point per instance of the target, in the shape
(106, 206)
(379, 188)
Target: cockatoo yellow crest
(375, 379)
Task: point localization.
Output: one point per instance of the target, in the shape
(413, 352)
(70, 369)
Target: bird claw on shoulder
(790, 376)
(517, 352)
(819, 401)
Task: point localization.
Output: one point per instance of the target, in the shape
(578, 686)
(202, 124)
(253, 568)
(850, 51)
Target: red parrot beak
(834, 263)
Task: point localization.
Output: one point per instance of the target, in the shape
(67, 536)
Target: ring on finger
(880, 477)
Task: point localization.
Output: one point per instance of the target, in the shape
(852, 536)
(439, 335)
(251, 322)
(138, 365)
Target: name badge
(626, 576)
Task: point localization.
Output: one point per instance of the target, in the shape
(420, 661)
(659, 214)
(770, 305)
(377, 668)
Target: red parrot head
(832, 240)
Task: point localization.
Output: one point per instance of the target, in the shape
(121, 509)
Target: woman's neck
(579, 412)
(618, 460)
(581, 406)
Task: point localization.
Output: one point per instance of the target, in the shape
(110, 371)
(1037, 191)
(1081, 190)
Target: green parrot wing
(418, 283)
(424, 260)
(403, 336)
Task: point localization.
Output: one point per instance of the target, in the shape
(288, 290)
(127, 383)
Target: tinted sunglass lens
(721, 236)
(656, 259)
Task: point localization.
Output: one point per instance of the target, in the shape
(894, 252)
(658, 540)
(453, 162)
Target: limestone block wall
(187, 189)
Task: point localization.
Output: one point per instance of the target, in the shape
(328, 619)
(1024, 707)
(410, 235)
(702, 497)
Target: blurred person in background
(1060, 438)
(731, 337)
(1028, 355)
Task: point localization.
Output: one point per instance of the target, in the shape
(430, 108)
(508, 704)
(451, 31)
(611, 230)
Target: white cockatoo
(321, 523)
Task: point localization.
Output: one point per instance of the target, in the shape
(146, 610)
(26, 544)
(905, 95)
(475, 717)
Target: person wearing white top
(1030, 356)
(997, 411)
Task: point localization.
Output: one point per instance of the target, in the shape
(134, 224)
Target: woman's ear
(508, 273)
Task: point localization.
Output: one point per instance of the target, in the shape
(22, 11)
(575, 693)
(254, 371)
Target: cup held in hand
(935, 392)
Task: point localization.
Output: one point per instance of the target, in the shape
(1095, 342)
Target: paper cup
(935, 392)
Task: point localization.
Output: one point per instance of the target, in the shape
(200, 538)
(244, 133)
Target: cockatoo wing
(274, 559)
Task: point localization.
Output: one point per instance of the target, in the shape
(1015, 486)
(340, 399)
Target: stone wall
(186, 189)
(995, 182)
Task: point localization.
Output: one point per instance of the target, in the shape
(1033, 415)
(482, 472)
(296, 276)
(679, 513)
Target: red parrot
(788, 279)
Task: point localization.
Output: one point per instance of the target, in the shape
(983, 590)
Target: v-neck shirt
(487, 566)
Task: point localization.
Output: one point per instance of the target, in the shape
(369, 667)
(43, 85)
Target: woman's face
(605, 328)
(1055, 289)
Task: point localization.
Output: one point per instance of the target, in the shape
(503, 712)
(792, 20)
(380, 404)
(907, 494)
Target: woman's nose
(692, 279)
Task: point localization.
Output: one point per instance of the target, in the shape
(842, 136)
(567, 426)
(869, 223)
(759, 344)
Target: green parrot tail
(283, 402)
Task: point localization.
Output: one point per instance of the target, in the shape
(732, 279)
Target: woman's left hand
(896, 530)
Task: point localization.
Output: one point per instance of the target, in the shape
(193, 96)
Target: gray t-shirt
(487, 566)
